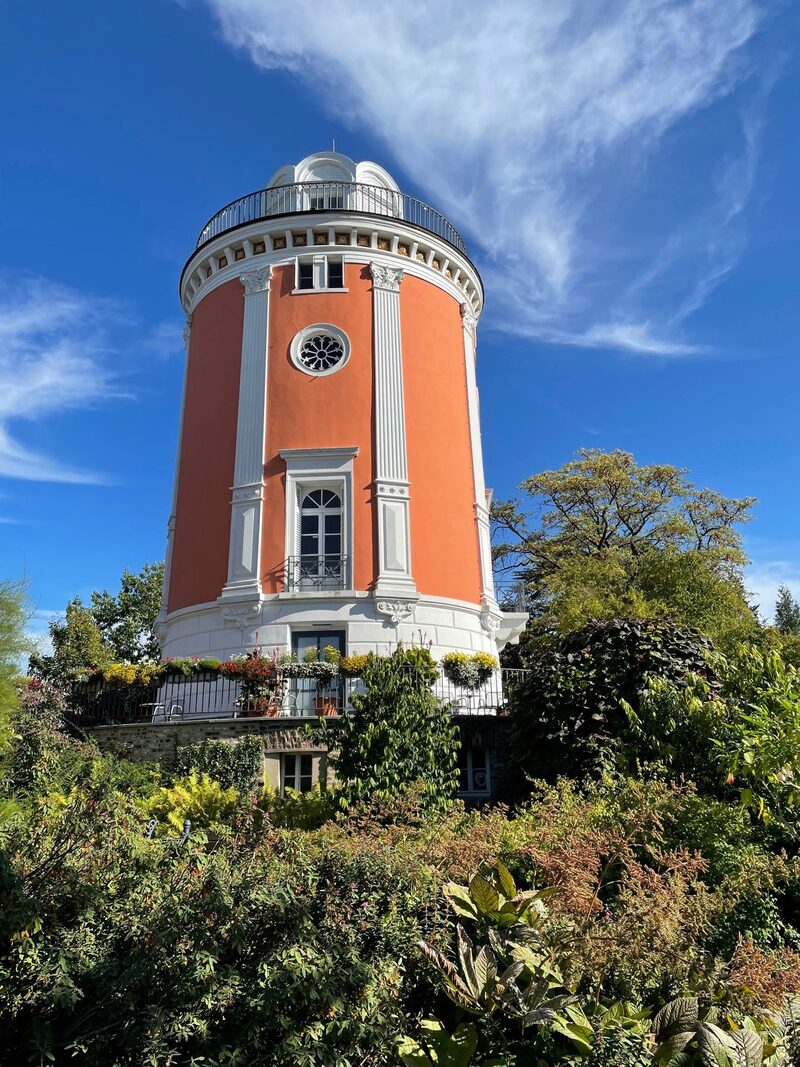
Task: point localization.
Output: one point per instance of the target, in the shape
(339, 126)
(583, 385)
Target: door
(307, 692)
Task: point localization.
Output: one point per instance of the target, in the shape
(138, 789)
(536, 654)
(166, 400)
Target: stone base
(371, 624)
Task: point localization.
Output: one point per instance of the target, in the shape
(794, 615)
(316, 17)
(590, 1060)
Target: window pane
(333, 524)
(312, 500)
(329, 499)
(333, 545)
(305, 275)
(463, 771)
(335, 274)
(289, 777)
(308, 524)
(309, 545)
(306, 773)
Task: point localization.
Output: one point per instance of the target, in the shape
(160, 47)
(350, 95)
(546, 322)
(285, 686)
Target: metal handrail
(313, 572)
(326, 197)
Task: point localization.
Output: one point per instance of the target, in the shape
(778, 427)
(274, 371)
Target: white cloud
(165, 340)
(53, 358)
(763, 579)
(538, 126)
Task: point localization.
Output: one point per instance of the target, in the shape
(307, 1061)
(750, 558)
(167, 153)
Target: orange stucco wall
(444, 540)
(208, 448)
(326, 412)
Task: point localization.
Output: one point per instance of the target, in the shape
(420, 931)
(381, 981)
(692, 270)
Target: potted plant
(467, 670)
(262, 681)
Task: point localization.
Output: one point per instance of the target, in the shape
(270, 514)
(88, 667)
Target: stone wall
(156, 742)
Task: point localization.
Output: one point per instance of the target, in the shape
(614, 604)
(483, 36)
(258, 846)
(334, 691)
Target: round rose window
(320, 349)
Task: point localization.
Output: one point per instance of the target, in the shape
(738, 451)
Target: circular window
(320, 349)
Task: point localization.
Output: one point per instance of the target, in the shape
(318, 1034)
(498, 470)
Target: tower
(329, 485)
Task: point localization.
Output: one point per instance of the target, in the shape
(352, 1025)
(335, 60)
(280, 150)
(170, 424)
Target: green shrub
(235, 765)
(205, 803)
(568, 714)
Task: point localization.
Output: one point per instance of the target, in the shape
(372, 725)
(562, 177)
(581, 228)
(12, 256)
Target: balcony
(316, 574)
(352, 198)
(211, 696)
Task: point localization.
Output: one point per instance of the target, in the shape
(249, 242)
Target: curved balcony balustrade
(302, 198)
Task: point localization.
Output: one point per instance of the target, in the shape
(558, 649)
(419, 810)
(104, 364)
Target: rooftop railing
(212, 696)
(302, 198)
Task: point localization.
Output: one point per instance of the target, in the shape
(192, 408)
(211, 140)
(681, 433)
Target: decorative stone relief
(490, 621)
(187, 329)
(468, 315)
(256, 281)
(387, 278)
(396, 610)
(242, 615)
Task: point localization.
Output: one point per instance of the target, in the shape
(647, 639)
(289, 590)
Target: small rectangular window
(473, 770)
(335, 274)
(297, 772)
(305, 274)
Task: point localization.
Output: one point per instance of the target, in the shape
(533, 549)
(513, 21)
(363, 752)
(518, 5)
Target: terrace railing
(302, 198)
(211, 696)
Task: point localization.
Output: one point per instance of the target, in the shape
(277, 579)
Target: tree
(14, 643)
(77, 644)
(127, 621)
(787, 612)
(614, 539)
(400, 735)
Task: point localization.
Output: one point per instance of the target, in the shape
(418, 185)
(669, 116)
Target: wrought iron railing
(349, 197)
(209, 695)
(316, 573)
(512, 594)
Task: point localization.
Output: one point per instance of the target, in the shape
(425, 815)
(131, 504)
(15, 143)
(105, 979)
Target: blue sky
(625, 175)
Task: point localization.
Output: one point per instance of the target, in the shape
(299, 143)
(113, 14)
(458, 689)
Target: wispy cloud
(763, 579)
(539, 126)
(165, 340)
(53, 358)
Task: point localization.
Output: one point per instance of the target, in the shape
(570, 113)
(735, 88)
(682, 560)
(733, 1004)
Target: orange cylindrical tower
(329, 485)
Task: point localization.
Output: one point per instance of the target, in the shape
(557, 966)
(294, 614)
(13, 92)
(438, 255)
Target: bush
(568, 713)
(399, 734)
(234, 765)
(197, 798)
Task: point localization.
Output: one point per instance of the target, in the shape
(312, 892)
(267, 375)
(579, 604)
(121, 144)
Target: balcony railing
(316, 573)
(302, 198)
(210, 696)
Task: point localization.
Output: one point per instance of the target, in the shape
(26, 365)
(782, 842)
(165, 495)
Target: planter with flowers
(262, 680)
(322, 671)
(470, 671)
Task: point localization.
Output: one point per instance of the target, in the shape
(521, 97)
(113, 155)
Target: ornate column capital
(469, 318)
(187, 329)
(387, 278)
(256, 281)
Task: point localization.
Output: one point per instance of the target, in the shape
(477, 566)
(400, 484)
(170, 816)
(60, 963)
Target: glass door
(321, 560)
(310, 697)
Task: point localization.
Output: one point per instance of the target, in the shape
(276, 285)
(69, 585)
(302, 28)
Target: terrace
(208, 695)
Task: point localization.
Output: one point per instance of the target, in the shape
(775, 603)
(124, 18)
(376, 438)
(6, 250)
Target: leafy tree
(400, 734)
(127, 620)
(615, 539)
(13, 645)
(77, 644)
(787, 612)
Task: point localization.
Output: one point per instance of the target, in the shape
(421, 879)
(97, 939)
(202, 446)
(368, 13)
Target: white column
(391, 464)
(488, 601)
(244, 580)
(162, 615)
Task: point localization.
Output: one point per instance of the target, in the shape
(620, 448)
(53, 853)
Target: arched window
(321, 561)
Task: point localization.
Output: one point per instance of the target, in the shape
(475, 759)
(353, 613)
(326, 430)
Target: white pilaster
(162, 615)
(244, 580)
(491, 612)
(391, 463)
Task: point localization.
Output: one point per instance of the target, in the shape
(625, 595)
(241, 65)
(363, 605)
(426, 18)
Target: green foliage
(204, 802)
(13, 645)
(615, 539)
(471, 670)
(569, 709)
(78, 644)
(787, 612)
(399, 734)
(298, 811)
(234, 765)
(127, 619)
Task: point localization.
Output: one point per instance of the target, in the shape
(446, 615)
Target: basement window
(297, 772)
(473, 770)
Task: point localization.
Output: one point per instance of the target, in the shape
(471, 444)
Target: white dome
(333, 167)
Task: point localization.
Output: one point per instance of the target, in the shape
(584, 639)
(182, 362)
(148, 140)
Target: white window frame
(297, 758)
(471, 790)
(319, 468)
(319, 263)
(309, 331)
